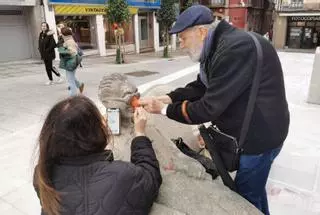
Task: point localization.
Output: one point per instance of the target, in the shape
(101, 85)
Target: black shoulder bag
(224, 149)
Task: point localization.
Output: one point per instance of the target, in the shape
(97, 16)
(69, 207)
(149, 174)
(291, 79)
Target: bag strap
(253, 92)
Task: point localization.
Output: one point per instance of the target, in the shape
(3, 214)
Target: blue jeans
(74, 84)
(252, 177)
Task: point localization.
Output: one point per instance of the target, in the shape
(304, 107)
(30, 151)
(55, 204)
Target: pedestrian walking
(229, 62)
(70, 60)
(47, 44)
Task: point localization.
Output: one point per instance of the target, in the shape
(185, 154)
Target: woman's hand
(140, 121)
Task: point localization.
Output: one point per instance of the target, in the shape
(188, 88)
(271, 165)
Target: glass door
(144, 33)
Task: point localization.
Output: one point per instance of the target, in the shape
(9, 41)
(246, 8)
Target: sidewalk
(30, 67)
(294, 185)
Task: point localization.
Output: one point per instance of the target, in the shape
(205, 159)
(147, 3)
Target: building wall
(20, 31)
(267, 24)
(34, 19)
(18, 2)
(238, 17)
(279, 32)
(150, 27)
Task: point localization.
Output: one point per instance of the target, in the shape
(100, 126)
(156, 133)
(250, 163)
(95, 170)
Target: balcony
(247, 3)
(298, 5)
(287, 5)
(213, 3)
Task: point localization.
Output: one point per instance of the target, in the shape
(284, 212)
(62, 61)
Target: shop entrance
(82, 28)
(303, 32)
(144, 32)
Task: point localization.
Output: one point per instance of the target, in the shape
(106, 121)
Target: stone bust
(186, 187)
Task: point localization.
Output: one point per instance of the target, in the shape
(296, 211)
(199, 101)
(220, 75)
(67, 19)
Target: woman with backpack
(70, 60)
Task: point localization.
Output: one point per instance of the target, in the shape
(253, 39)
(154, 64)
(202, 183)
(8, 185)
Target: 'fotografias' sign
(304, 18)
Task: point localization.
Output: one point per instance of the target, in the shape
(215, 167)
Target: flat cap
(194, 15)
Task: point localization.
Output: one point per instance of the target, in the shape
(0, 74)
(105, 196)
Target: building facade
(92, 30)
(297, 24)
(20, 21)
(20, 25)
(251, 15)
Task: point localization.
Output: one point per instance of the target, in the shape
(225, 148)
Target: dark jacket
(47, 44)
(97, 185)
(230, 67)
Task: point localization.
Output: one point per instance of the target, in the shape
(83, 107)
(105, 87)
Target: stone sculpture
(186, 187)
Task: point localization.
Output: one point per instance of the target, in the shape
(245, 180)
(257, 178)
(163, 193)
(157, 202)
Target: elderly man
(228, 59)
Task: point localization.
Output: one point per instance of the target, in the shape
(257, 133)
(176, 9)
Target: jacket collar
(222, 28)
(86, 160)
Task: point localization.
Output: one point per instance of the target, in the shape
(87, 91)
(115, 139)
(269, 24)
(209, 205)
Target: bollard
(314, 87)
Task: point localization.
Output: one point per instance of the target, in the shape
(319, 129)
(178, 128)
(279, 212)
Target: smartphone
(113, 116)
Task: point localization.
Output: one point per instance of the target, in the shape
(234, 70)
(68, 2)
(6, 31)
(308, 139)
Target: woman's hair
(73, 127)
(66, 31)
(48, 28)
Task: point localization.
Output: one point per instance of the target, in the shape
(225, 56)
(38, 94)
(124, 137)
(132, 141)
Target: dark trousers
(50, 69)
(252, 177)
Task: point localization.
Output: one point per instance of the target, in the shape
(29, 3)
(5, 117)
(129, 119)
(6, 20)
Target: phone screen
(113, 116)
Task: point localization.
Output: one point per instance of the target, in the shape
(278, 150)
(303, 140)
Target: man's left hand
(152, 105)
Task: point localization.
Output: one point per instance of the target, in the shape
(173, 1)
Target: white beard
(195, 57)
(195, 54)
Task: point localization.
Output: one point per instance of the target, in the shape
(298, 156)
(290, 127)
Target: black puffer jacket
(97, 185)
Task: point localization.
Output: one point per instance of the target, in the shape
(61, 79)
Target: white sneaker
(49, 83)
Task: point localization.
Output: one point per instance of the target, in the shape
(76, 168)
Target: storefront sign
(134, 3)
(77, 1)
(84, 10)
(152, 4)
(304, 18)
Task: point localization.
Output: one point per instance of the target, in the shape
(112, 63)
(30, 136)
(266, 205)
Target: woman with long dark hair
(47, 44)
(75, 174)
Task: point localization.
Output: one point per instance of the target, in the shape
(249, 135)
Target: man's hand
(152, 105)
(165, 99)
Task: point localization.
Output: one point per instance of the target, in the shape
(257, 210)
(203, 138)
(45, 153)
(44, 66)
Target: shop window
(310, 24)
(294, 37)
(301, 24)
(292, 24)
(81, 28)
(128, 33)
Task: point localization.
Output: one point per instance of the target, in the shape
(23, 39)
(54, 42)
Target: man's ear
(203, 33)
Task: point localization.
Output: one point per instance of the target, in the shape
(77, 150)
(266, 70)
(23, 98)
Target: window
(301, 24)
